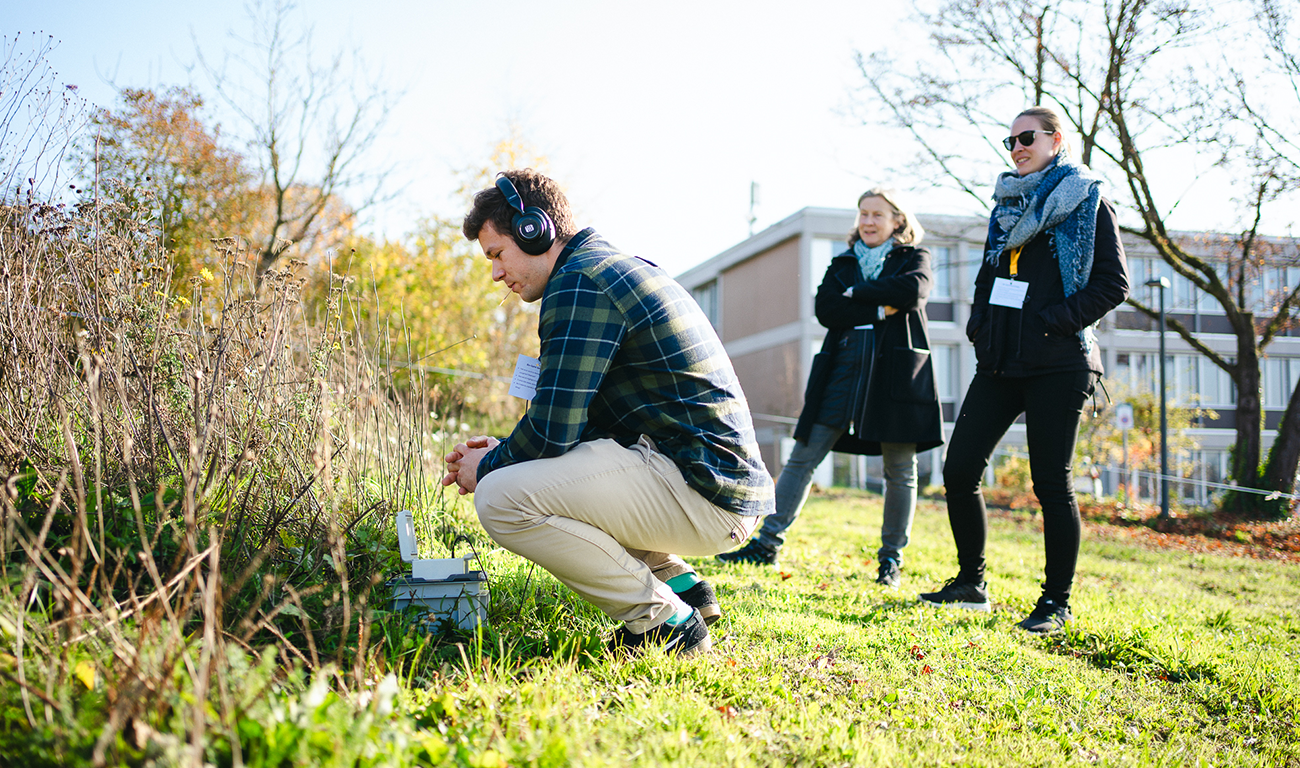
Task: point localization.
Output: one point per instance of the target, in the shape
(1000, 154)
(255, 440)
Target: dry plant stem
(210, 649)
(80, 534)
(252, 427)
(153, 408)
(29, 689)
(91, 369)
(296, 598)
(163, 593)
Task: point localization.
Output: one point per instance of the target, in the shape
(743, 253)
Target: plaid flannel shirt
(627, 352)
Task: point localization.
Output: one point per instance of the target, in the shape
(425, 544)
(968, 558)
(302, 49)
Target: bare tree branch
(311, 128)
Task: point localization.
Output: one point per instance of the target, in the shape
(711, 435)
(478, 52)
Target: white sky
(656, 117)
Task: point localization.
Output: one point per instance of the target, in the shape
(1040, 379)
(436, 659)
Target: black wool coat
(895, 400)
(1043, 336)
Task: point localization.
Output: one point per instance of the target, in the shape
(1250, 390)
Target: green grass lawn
(1177, 658)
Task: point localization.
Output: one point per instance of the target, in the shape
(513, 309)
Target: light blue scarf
(872, 260)
(1063, 198)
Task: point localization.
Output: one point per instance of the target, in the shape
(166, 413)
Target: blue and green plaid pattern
(627, 352)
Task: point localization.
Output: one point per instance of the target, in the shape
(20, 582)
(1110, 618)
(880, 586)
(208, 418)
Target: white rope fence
(1156, 476)
(1269, 495)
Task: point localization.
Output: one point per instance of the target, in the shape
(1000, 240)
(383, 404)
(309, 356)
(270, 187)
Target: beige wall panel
(772, 386)
(770, 378)
(762, 292)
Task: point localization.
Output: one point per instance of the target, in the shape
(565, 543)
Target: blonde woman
(871, 390)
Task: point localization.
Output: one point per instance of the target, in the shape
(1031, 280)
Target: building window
(1216, 387)
(940, 260)
(1205, 467)
(1192, 379)
(1280, 376)
(1207, 303)
(707, 297)
(944, 358)
(823, 250)
(1275, 284)
(1181, 295)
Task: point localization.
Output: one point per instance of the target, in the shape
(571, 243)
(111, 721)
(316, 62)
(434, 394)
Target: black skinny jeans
(1052, 404)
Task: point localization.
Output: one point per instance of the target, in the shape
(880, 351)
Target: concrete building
(759, 295)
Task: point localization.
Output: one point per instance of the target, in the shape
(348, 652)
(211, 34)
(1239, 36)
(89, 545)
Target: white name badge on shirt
(1008, 293)
(523, 383)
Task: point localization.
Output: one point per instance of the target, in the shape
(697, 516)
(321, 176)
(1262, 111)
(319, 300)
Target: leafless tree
(312, 127)
(1274, 19)
(39, 116)
(1138, 80)
(169, 158)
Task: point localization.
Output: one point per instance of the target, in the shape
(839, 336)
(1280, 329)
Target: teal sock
(684, 612)
(682, 582)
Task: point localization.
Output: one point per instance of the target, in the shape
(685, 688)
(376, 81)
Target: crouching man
(637, 447)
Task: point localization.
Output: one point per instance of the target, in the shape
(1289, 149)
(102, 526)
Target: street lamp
(1162, 283)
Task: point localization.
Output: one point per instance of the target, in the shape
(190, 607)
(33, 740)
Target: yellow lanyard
(1015, 261)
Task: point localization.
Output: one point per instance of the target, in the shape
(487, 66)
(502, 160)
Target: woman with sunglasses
(1053, 266)
(871, 390)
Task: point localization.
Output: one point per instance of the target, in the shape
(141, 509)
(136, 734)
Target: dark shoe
(685, 639)
(752, 553)
(1048, 616)
(702, 598)
(960, 594)
(890, 574)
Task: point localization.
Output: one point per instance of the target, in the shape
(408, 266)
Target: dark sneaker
(1048, 616)
(702, 598)
(960, 594)
(752, 553)
(890, 574)
(685, 639)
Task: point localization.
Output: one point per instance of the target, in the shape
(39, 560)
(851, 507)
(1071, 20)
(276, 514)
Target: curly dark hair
(534, 189)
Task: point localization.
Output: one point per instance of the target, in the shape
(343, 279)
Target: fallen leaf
(926, 670)
(85, 672)
(727, 711)
(785, 575)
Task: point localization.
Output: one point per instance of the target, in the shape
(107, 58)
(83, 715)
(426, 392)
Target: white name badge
(523, 383)
(1008, 293)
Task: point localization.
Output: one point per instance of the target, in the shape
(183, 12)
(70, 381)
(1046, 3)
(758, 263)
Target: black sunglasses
(1026, 138)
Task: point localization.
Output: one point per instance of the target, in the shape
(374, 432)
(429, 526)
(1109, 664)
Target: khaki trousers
(609, 522)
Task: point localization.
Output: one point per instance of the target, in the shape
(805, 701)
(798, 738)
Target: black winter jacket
(1043, 336)
(894, 398)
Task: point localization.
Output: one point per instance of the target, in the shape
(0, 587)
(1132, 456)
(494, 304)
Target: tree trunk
(1245, 454)
(1284, 457)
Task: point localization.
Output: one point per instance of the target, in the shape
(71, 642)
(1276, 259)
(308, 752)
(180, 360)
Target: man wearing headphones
(638, 442)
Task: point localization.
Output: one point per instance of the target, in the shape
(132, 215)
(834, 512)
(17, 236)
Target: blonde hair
(910, 232)
(1046, 117)
(1051, 120)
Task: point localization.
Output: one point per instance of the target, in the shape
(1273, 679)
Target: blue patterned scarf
(1063, 198)
(872, 260)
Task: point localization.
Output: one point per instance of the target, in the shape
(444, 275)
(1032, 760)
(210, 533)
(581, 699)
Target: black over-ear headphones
(531, 227)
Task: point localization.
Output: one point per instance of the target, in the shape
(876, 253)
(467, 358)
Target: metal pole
(1164, 415)
(1162, 283)
(1124, 478)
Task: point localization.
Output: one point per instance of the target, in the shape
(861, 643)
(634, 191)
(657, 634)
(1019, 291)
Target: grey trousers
(796, 478)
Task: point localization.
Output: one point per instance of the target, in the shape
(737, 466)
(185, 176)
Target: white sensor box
(445, 586)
